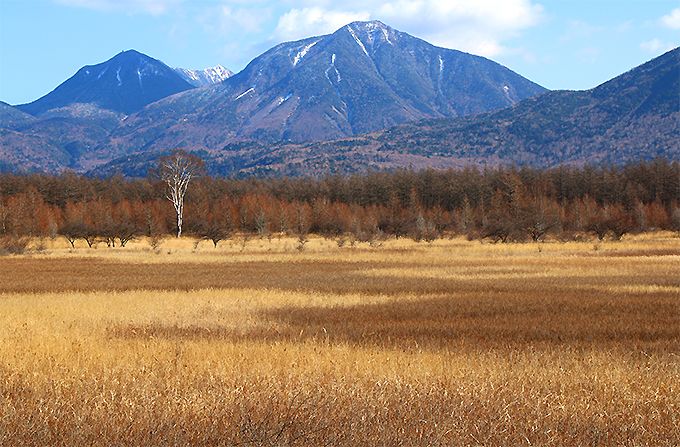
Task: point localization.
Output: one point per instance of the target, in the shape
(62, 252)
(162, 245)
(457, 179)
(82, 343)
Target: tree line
(499, 204)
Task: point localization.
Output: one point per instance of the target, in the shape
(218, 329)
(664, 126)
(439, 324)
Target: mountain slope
(125, 83)
(634, 116)
(208, 76)
(11, 117)
(21, 151)
(53, 141)
(364, 77)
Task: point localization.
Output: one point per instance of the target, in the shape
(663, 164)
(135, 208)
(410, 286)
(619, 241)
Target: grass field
(453, 343)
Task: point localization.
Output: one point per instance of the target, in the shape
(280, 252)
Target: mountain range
(364, 77)
(365, 97)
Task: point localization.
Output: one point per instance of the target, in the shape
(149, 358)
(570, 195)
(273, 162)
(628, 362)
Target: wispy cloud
(480, 27)
(238, 29)
(656, 46)
(672, 19)
(230, 20)
(305, 22)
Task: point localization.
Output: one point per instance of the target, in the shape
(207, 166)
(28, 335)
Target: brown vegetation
(500, 205)
(447, 343)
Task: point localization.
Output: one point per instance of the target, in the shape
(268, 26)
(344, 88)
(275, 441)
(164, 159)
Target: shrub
(13, 245)
(155, 241)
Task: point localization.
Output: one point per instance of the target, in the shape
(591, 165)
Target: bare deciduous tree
(4, 217)
(177, 170)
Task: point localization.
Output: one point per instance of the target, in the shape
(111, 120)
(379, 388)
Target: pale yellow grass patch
(450, 343)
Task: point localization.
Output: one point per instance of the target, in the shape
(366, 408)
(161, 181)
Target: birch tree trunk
(177, 170)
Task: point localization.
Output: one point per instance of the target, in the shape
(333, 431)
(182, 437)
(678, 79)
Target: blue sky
(561, 44)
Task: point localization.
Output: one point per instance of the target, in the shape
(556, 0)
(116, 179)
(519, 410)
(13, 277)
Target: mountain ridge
(125, 83)
(633, 116)
(365, 76)
(352, 86)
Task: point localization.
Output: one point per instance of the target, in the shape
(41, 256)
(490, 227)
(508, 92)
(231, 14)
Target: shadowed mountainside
(364, 77)
(125, 83)
(634, 116)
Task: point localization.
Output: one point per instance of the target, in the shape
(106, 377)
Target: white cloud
(299, 23)
(481, 27)
(672, 19)
(234, 20)
(153, 7)
(656, 46)
(239, 29)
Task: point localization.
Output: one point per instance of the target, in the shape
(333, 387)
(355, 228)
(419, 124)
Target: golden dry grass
(453, 343)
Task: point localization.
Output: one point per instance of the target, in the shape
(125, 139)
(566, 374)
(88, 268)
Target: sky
(560, 44)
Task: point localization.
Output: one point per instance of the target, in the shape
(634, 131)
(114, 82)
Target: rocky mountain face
(632, 117)
(125, 84)
(364, 77)
(208, 76)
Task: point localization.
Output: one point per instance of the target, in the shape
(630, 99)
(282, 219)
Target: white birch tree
(177, 170)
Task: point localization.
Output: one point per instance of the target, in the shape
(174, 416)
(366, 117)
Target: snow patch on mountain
(251, 89)
(337, 73)
(387, 36)
(208, 76)
(303, 52)
(282, 99)
(376, 30)
(356, 38)
(506, 91)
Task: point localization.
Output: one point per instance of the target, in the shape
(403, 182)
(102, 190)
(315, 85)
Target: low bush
(13, 245)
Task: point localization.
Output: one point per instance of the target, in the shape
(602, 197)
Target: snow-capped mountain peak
(372, 33)
(208, 76)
